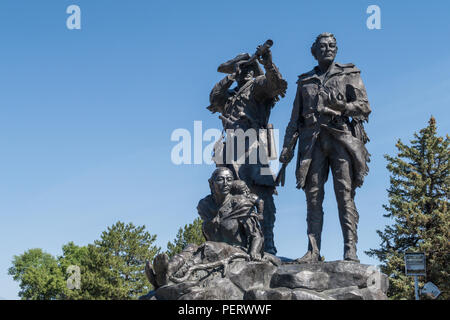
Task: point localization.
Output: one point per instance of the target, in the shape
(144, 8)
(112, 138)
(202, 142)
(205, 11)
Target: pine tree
(418, 205)
(100, 279)
(191, 234)
(127, 248)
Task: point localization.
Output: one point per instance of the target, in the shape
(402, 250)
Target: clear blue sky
(86, 115)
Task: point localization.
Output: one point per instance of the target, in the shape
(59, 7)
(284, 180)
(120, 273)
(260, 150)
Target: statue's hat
(230, 65)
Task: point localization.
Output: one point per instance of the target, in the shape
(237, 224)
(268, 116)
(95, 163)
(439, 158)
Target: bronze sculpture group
(326, 123)
(327, 119)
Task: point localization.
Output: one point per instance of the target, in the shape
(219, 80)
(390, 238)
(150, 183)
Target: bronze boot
(313, 254)
(350, 247)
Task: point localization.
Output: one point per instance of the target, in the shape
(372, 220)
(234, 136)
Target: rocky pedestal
(222, 272)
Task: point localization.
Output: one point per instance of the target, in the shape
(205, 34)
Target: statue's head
(324, 49)
(240, 187)
(221, 181)
(243, 67)
(244, 74)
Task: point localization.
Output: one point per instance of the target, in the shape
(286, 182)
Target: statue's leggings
(329, 153)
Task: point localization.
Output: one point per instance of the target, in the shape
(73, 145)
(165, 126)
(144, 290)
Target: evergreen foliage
(418, 206)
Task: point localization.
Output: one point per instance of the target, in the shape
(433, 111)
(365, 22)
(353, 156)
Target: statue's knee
(315, 219)
(344, 197)
(314, 201)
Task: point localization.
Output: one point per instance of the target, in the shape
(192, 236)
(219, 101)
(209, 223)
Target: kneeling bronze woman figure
(231, 217)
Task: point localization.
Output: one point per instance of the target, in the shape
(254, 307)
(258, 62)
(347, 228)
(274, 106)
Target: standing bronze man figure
(329, 110)
(247, 106)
